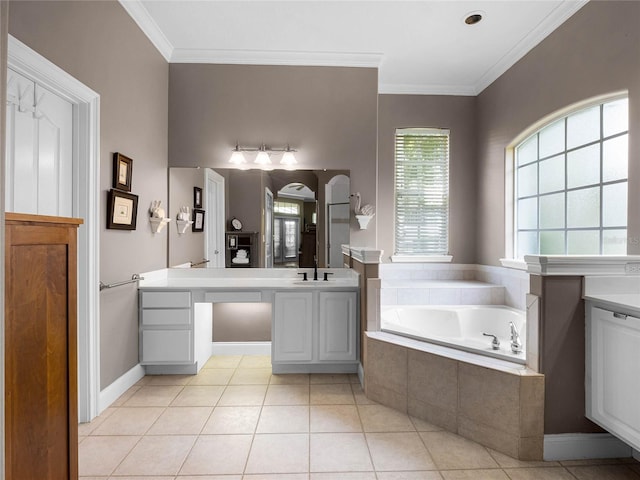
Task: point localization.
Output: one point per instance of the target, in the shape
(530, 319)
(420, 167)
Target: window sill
(421, 258)
(514, 263)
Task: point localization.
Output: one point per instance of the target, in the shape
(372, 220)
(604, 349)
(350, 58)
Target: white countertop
(617, 300)
(250, 278)
(621, 291)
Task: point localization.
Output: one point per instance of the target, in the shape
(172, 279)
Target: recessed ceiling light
(473, 18)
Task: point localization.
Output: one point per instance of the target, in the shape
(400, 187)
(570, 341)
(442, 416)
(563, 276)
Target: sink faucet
(516, 344)
(315, 267)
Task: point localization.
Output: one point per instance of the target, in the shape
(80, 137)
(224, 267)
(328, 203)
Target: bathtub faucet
(516, 344)
(495, 343)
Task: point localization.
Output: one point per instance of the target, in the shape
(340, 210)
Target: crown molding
(149, 27)
(404, 89)
(277, 57)
(552, 21)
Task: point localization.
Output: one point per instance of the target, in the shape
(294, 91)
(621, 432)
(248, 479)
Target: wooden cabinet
(315, 332)
(41, 430)
(613, 372)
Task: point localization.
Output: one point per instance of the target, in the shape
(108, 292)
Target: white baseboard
(117, 388)
(241, 348)
(578, 446)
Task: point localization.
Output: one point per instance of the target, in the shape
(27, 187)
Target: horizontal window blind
(422, 191)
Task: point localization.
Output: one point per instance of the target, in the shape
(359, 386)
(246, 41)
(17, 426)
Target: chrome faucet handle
(495, 343)
(516, 344)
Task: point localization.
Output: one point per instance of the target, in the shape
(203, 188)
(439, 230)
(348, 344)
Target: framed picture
(122, 210)
(122, 172)
(197, 197)
(198, 220)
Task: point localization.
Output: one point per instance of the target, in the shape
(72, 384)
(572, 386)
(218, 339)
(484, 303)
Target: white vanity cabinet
(315, 332)
(613, 371)
(338, 326)
(292, 327)
(169, 332)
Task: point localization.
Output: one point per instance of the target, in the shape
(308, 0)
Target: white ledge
(580, 265)
(421, 258)
(514, 263)
(366, 254)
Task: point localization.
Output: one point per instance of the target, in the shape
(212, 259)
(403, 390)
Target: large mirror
(260, 218)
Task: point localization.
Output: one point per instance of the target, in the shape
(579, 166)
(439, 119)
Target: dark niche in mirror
(281, 218)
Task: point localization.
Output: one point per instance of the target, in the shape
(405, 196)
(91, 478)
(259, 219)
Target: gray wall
(189, 246)
(100, 45)
(327, 113)
(595, 52)
(457, 114)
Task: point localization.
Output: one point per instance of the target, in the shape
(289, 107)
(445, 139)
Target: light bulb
(237, 158)
(288, 159)
(263, 158)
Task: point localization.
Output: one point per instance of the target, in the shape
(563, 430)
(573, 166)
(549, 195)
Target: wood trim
(13, 218)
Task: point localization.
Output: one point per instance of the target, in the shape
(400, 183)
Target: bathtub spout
(495, 343)
(516, 344)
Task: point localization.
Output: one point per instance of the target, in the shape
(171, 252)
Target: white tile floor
(235, 420)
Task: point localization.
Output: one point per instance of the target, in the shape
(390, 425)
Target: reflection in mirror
(284, 218)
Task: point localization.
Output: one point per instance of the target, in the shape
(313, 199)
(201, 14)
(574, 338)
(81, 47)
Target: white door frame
(218, 205)
(86, 188)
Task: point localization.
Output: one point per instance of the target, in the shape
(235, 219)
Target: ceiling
(420, 47)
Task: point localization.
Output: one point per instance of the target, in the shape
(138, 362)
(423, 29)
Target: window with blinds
(422, 192)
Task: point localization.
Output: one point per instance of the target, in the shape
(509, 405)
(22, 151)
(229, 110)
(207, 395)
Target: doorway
(85, 188)
(214, 249)
(285, 241)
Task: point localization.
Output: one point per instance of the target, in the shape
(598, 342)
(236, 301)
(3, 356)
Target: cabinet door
(293, 327)
(166, 346)
(613, 373)
(338, 326)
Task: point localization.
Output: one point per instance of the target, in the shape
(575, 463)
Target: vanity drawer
(165, 299)
(166, 317)
(232, 297)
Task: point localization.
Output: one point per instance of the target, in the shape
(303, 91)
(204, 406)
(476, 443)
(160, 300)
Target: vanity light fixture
(288, 158)
(237, 157)
(263, 157)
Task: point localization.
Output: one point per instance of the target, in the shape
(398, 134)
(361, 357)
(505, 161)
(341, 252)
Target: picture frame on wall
(197, 197)
(122, 210)
(198, 220)
(122, 172)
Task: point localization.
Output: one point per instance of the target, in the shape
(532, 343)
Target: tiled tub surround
(452, 284)
(495, 403)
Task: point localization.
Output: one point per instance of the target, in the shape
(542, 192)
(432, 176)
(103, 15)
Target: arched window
(570, 184)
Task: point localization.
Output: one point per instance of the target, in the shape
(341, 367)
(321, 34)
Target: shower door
(337, 232)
